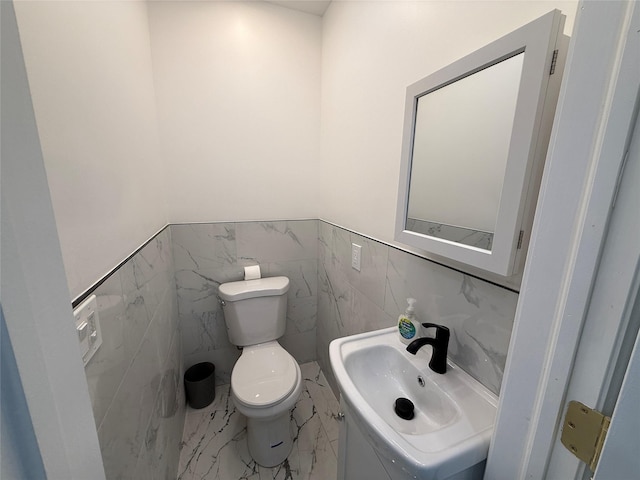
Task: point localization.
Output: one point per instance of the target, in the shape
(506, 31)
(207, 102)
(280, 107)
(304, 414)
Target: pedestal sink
(449, 434)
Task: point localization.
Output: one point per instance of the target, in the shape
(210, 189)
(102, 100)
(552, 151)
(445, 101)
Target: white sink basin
(454, 414)
(381, 374)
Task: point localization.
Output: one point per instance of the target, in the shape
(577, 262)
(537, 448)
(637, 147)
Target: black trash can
(200, 385)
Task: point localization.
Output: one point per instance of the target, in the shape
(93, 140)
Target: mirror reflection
(459, 156)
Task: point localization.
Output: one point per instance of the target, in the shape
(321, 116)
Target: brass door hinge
(584, 431)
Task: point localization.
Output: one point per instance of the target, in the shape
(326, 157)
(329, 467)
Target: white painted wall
(241, 91)
(238, 89)
(89, 68)
(371, 52)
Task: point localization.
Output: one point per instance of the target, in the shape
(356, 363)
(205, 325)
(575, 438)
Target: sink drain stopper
(404, 408)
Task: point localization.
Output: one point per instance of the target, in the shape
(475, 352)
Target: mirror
(455, 185)
(474, 143)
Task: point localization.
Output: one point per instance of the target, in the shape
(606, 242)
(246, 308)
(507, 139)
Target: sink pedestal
(446, 438)
(358, 460)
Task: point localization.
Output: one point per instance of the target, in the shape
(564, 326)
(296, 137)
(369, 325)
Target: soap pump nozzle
(411, 306)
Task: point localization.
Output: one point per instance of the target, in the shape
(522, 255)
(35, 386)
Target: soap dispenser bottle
(408, 326)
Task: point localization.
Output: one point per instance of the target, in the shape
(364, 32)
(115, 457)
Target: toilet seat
(264, 375)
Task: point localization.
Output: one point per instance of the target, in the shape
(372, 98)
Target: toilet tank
(255, 311)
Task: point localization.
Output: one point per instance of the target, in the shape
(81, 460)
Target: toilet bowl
(265, 385)
(266, 381)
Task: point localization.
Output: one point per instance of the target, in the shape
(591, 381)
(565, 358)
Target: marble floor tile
(214, 443)
(323, 398)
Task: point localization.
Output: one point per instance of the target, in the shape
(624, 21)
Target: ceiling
(315, 7)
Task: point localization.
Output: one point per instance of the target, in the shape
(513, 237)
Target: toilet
(266, 380)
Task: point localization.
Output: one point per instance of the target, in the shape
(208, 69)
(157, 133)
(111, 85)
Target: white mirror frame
(527, 150)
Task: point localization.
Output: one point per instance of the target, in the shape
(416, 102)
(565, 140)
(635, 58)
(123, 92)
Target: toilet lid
(263, 375)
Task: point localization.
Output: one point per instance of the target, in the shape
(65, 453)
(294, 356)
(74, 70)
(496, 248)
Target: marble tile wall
(207, 255)
(159, 313)
(479, 314)
(135, 377)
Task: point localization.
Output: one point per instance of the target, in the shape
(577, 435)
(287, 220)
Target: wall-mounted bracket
(88, 328)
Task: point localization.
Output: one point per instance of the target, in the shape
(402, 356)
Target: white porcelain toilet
(266, 380)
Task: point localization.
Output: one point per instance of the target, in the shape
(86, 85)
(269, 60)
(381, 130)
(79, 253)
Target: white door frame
(591, 132)
(619, 457)
(611, 324)
(34, 294)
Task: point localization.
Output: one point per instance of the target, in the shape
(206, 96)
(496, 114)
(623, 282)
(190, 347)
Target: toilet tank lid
(261, 287)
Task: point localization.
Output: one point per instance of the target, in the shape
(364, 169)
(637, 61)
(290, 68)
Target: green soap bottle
(408, 326)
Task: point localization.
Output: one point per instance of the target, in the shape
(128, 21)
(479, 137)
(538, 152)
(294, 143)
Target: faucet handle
(434, 325)
(442, 332)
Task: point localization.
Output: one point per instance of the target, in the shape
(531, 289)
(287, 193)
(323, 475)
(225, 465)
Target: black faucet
(440, 345)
